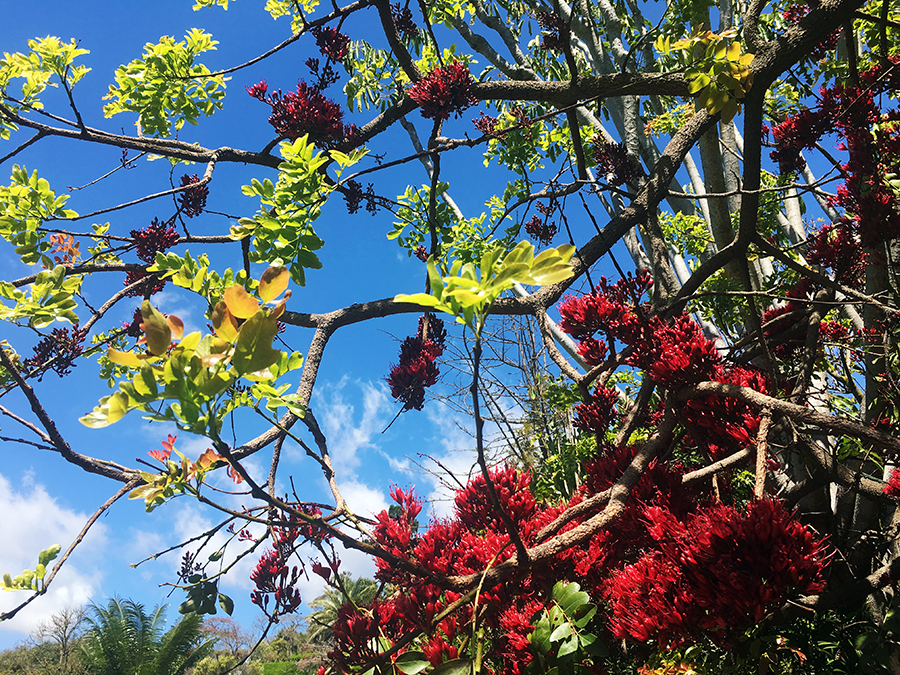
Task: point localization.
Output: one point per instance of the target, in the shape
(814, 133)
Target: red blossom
(331, 42)
(614, 163)
(193, 200)
(57, 351)
(445, 90)
(892, 487)
(154, 238)
(595, 415)
(417, 369)
(305, 112)
(716, 573)
(258, 90)
(133, 276)
(541, 229)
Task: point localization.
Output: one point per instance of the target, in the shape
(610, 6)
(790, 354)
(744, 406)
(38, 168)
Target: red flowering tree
(701, 468)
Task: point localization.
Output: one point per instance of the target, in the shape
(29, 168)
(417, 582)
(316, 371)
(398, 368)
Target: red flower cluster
(714, 573)
(485, 124)
(675, 354)
(274, 579)
(304, 112)
(553, 29)
(272, 576)
(445, 90)
(674, 566)
(724, 424)
(133, 276)
(57, 351)
(417, 369)
(614, 163)
(403, 21)
(332, 43)
(541, 229)
(193, 200)
(154, 238)
(892, 487)
(595, 415)
(872, 141)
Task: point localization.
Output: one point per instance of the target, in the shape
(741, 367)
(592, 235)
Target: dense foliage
(694, 469)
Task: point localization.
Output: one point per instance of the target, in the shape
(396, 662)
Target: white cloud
(346, 431)
(361, 498)
(33, 520)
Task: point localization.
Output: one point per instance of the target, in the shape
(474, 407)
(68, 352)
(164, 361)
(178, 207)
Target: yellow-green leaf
(253, 349)
(129, 359)
(240, 303)
(273, 283)
(156, 328)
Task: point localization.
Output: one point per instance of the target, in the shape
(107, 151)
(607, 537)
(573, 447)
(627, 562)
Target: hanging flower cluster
(304, 112)
(417, 368)
(153, 239)
(58, 351)
(542, 229)
(614, 163)
(148, 289)
(332, 43)
(193, 200)
(273, 578)
(445, 90)
(553, 29)
(403, 21)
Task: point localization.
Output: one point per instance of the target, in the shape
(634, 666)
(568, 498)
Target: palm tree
(124, 640)
(359, 591)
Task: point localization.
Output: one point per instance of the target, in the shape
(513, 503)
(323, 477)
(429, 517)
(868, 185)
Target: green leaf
(454, 667)
(570, 646)
(253, 349)
(564, 630)
(48, 555)
(156, 329)
(411, 663)
(226, 603)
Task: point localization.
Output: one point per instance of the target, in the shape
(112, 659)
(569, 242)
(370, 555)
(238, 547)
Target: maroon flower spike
(134, 329)
(273, 579)
(485, 124)
(422, 253)
(614, 163)
(541, 229)
(445, 90)
(149, 288)
(403, 21)
(307, 112)
(193, 200)
(154, 238)
(331, 42)
(553, 31)
(59, 350)
(416, 370)
(595, 415)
